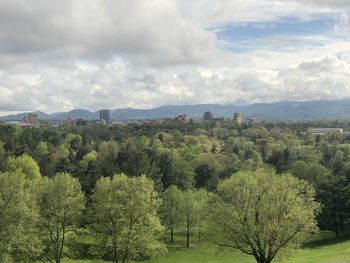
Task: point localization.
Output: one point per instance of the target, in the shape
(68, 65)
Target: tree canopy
(262, 213)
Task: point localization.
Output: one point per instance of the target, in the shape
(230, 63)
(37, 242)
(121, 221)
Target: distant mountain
(76, 114)
(287, 110)
(20, 116)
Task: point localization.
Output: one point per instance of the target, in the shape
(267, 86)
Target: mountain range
(286, 110)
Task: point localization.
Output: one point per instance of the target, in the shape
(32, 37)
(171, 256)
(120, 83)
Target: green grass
(323, 249)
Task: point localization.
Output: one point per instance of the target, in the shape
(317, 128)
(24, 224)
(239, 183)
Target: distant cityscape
(32, 120)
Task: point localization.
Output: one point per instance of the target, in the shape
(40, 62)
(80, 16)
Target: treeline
(258, 212)
(39, 215)
(192, 156)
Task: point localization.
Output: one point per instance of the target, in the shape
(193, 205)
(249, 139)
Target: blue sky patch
(242, 37)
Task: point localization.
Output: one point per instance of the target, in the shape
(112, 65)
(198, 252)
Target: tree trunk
(171, 234)
(188, 233)
(263, 260)
(337, 234)
(199, 233)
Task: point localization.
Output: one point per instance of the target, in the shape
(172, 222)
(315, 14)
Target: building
(31, 120)
(208, 116)
(70, 122)
(104, 115)
(238, 118)
(181, 118)
(321, 131)
(81, 122)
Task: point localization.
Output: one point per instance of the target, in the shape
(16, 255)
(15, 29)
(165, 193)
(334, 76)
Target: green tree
(201, 199)
(87, 172)
(18, 217)
(334, 194)
(106, 163)
(136, 158)
(189, 213)
(315, 173)
(61, 203)
(171, 209)
(175, 170)
(125, 218)
(25, 165)
(262, 214)
(207, 169)
(2, 155)
(42, 156)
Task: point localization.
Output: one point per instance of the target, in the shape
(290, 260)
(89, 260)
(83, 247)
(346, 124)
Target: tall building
(207, 116)
(104, 115)
(32, 119)
(238, 118)
(70, 122)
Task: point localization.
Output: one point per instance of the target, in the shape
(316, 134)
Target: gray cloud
(153, 32)
(60, 55)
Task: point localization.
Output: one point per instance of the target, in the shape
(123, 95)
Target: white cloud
(91, 54)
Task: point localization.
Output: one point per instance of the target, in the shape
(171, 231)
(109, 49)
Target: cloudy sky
(92, 54)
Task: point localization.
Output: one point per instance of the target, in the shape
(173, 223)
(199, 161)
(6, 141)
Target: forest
(131, 190)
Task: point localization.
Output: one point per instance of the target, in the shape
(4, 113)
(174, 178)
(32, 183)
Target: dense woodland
(132, 187)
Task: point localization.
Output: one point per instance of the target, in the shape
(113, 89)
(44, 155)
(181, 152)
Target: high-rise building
(32, 119)
(208, 116)
(104, 115)
(70, 122)
(238, 118)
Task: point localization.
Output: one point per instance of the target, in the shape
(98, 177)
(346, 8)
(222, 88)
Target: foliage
(261, 213)
(25, 165)
(19, 238)
(125, 218)
(171, 209)
(61, 203)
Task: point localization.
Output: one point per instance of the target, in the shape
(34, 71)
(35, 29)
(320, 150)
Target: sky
(63, 55)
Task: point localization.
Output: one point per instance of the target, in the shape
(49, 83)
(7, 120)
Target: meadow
(321, 249)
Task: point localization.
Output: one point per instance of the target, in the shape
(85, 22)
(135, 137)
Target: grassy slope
(321, 250)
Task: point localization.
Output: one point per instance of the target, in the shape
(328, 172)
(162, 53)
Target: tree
(107, 158)
(333, 191)
(334, 195)
(87, 172)
(175, 170)
(189, 213)
(18, 217)
(125, 217)
(207, 168)
(61, 203)
(261, 213)
(136, 158)
(201, 198)
(25, 165)
(171, 209)
(2, 155)
(314, 173)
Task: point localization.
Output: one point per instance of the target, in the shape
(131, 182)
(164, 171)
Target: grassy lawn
(323, 249)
